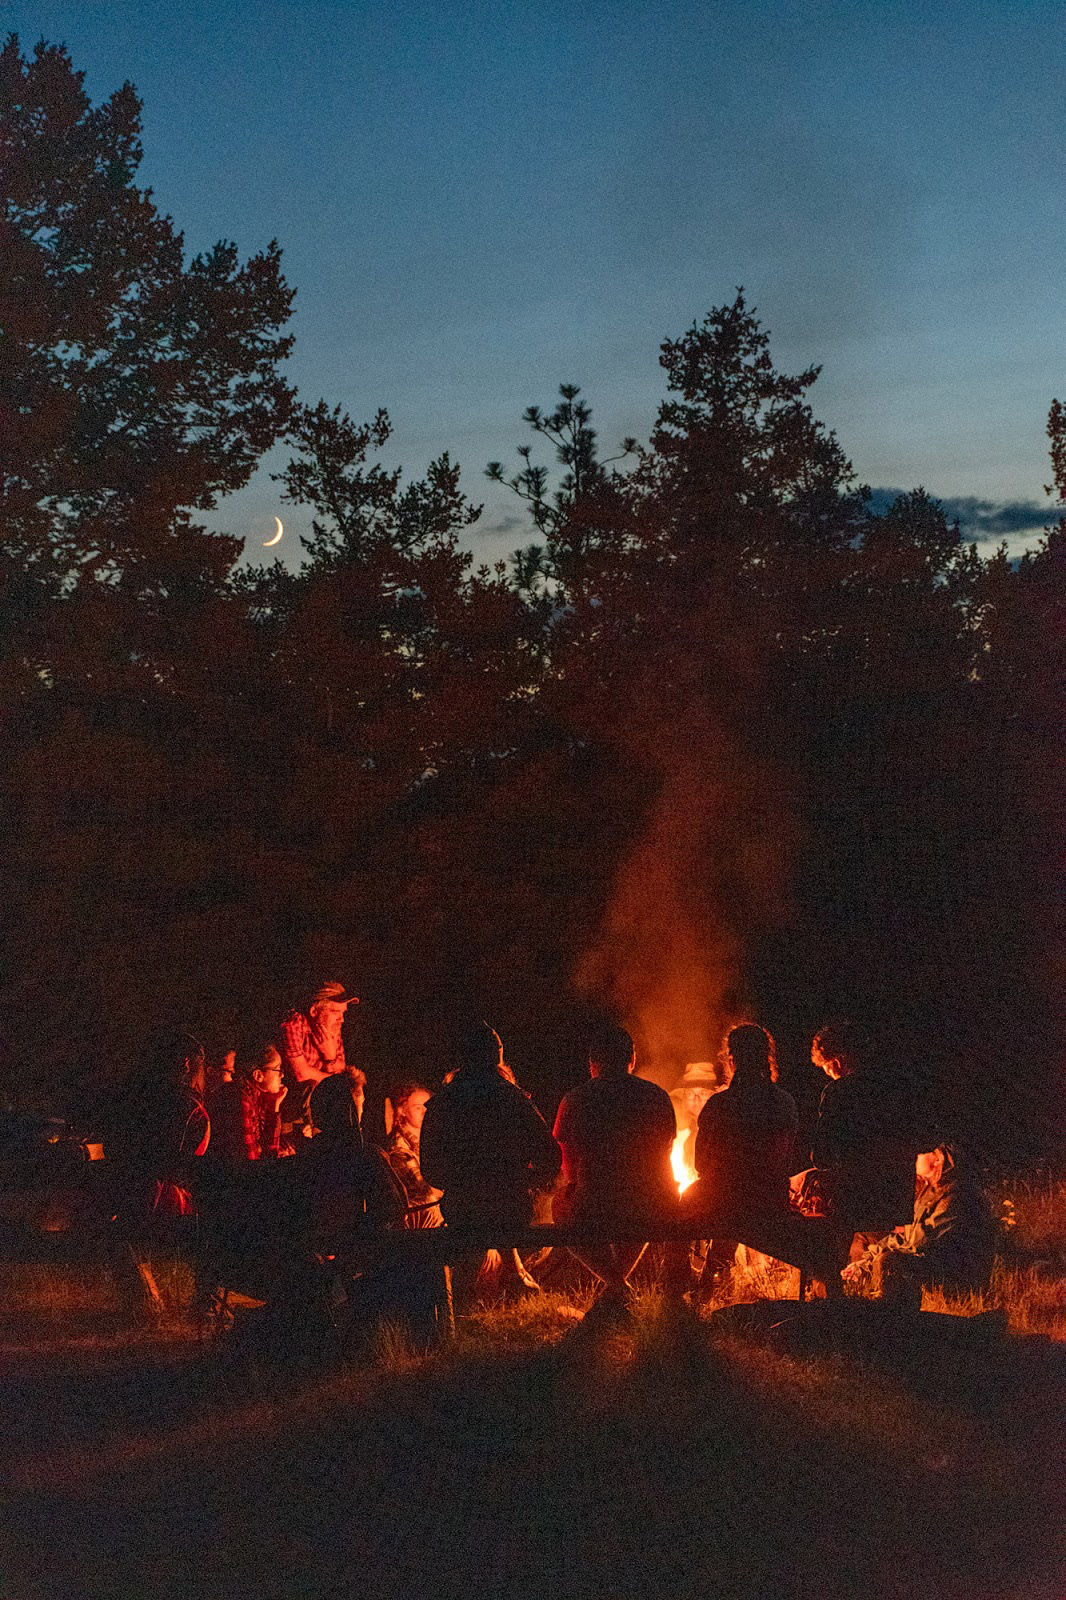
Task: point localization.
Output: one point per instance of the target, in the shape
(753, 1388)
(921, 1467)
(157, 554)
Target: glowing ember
(684, 1171)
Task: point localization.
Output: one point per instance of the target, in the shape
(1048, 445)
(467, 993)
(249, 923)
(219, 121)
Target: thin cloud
(981, 520)
(503, 527)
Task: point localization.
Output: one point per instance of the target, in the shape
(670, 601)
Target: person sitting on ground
(262, 1093)
(949, 1243)
(744, 1146)
(864, 1149)
(615, 1133)
(402, 1151)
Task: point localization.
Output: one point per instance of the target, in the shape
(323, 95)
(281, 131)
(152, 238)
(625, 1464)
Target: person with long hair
(403, 1143)
(744, 1144)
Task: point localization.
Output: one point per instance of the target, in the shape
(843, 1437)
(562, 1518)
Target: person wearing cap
(949, 1243)
(312, 1047)
(701, 1079)
(616, 1133)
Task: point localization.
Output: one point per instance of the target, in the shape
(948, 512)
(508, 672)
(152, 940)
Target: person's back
(863, 1136)
(162, 1125)
(225, 1108)
(744, 1146)
(616, 1133)
(336, 1104)
(484, 1143)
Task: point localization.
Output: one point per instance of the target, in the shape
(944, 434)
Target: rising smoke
(706, 875)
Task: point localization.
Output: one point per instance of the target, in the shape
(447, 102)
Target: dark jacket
(485, 1144)
(951, 1235)
(225, 1108)
(344, 1188)
(616, 1134)
(744, 1148)
(332, 1109)
(865, 1137)
(162, 1132)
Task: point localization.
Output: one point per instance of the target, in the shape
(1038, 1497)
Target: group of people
(870, 1207)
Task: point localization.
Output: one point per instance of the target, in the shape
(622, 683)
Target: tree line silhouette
(719, 740)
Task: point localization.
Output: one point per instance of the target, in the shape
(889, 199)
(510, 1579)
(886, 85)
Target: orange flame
(684, 1171)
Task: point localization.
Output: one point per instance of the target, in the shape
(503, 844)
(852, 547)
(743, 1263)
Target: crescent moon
(276, 539)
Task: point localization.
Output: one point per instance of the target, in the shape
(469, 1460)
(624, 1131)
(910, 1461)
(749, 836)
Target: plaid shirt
(401, 1151)
(262, 1124)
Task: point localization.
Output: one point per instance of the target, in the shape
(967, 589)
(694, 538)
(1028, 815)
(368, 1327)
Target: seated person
(336, 1105)
(863, 1148)
(311, 1042)
(261, 1098)
(223, 1101)
(744, 1145)
(949, 1243)
(616, 1133)
(486, 1146)
(402, 1150)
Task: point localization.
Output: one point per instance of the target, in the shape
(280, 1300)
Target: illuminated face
(696, 1098)
(930, 1166)
(268, 1076)
(830, 1065)
(411, 1112)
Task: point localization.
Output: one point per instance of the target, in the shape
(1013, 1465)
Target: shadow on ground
(671, 1457)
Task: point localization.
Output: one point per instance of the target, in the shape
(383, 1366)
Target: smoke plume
(707, 873)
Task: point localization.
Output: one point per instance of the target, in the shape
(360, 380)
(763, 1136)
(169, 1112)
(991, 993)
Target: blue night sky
(477, 202)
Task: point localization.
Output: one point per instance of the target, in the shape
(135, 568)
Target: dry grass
(1034, 1302)
(1034, 1216)
(536, 1456)
(655, 1460)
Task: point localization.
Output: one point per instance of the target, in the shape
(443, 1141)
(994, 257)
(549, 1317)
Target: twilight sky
(477, 202)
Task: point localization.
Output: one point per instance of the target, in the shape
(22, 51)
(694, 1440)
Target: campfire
(699, 1081)
(681, 1162)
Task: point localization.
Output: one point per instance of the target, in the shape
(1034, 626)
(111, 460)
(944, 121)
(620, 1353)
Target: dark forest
(717, 742)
